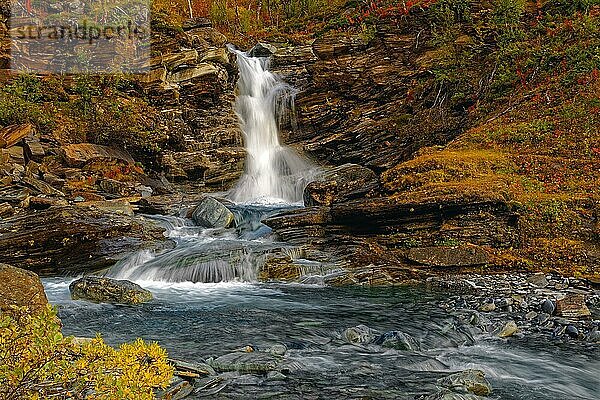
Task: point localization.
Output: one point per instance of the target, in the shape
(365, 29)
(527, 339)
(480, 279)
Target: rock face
(20, 288)
(70, 240)
(339, 184)
(210, 213)
(106, 290)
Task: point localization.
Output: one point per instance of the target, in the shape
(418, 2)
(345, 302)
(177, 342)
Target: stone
(531, 315)
(219, 55)
(487, 307)
(210, 213)
(6, 210)
(509, 329)
(538, 280)
(572, 331)
(13, 134)
(472, 380)
(191, 370)
(397, 340)
(262, 50)
(459, 256)
(107, 290)
(278, 350)
(183, 57)
(572, 306)
(342, 183)
(21, 288)
(197, 71)
(548, 306)
(77, 155)
(247, 363)
(360, 334)
(33, 150)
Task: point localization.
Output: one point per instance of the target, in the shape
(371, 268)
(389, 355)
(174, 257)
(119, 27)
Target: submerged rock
(397, 340)
(244, 362)
(470, 380)
(106, 290)
(360, 334)
(210, 213)
(20, 288)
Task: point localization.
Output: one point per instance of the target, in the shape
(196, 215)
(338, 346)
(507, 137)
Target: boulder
(20, 288)
(194, 72)
(471, 380)
(343, 183)
(107, 290)
(77, 155)
(262, 50)
(572, 306)
(210, 213)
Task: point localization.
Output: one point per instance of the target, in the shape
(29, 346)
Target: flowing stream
(208, 302)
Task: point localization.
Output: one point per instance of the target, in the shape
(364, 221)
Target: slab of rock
(77, 155)
(262, 50)
(438, 256)
(20, 288)
(12, 134)
(70, 240)
(572, 306)
(246, 362)
(346, 182)
(107, 290)
(194, 72)
(472, 380)
(210, 213)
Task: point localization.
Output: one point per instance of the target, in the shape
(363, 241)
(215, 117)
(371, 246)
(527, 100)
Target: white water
(273, 171)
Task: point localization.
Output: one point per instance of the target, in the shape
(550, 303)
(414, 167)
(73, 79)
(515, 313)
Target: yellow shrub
(38, 362)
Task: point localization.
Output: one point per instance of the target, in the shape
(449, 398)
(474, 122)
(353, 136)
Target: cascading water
(273, 172)
(274, 181)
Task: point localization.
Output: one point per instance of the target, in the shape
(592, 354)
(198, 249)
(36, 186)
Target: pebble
(531, 315)
(487, 307)
(509, 329)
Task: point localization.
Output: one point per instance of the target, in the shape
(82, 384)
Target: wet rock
(20, 288)
(593, 336)
(572, 306)
(450, 395)
(509, 329)
(538, 280)
(572, 331)
(276, 376)
(262, 50)
(346, 182)
(460, 256)
(548, 306)
(70, 240)
(487, 307)
(472, 380)
(397, 340)
(77, 155)
(531, 315)
(249, 363)
(278, 350)
(191, 370)
(210, 213)
(360, 334)
(106, 290)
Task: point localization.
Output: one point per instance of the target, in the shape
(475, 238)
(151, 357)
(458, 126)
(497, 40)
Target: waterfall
(273, 172)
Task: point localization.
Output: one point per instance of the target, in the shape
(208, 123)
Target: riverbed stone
(107, 290)
(243, 362)
(20, 288)
(211, 213)
(572, 306)
(548, 306)
(509, 329)
(472, 380)
(397, 340)
(360, 334)
(538, 280)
